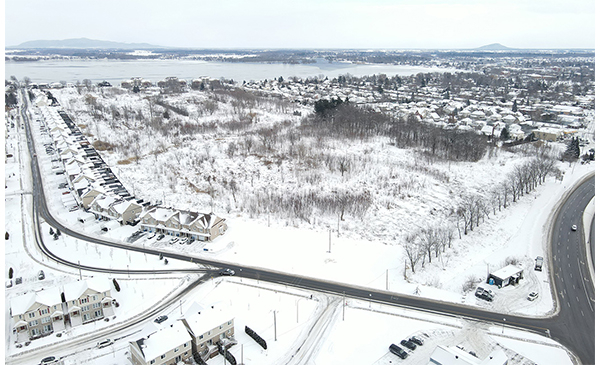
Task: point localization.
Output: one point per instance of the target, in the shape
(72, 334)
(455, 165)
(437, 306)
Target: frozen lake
(156, 70)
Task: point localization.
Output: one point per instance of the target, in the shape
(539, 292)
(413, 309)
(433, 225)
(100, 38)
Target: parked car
(173, 240)
(484, 294)
(183, 241)
(161, 319)
(532, 296)
(41, 275)
(396, 350)
(104, 343)
(160, 237)
(408, 344)
(227, 272)
(416, 340)
(73, 208)
(9, 283)
(539, 261)
(574, 227)
(151, 235)
(48, 360)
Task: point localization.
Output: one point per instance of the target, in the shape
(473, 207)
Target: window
(185, 353)
(98, 314)
(47, 328)
(229, 323)
(33, 323)
(96, 305)
(185, 344)
(176, 349)
(162, 356)
(44, 311)
(32, 315)
(201, 337)
(45, 319)
(152, 361)
(85, 308)
(83, 300)
(35, 332)
(94, 298)
(86, 317)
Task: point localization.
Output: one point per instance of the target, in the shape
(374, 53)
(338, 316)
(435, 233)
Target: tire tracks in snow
(307, 347)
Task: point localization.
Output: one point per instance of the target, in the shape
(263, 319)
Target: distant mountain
(494, 47)
(84, 43)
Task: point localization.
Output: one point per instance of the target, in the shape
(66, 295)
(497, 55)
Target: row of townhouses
(196, 334)
(97, 190)
(40, 313)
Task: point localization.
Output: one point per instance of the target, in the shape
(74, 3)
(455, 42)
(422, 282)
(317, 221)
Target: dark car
(48, 360)
(416, 340)
(396, 350)
(227, 272)
(160, 237)
(408, 344)
(161, 319)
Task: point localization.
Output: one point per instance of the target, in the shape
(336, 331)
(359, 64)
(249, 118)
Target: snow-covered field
(367, 251)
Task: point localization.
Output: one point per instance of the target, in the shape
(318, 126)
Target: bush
(511, 261)
(470, 284)
(10, 273)
(6, 236)
(117, 287)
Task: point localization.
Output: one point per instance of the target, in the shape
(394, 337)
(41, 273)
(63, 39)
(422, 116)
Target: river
(114, 71)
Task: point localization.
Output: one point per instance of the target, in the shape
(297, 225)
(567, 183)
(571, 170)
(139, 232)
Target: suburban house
(167, 346)
(127, 211)
(37, 314)
(195, 335)
(198, 226)
(88, 300)
(207, 327)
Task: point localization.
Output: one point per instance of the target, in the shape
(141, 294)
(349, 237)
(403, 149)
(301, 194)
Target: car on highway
(161, 319)
(105, 343)
(227, 272)
(408, 344)
(574, 227)
(532, 296)
(416, 340)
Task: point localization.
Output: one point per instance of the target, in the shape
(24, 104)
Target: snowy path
(306, 348)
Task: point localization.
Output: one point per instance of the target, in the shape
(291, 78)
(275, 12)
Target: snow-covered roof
(76, 289)
(162, 214)
(123, 206)
(164, 340)
(451, 356)
(23, 303)
(507, 271)
(201, 320)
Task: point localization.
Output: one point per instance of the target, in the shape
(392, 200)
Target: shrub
(470, 284)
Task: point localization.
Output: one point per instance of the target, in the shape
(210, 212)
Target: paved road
(575, 324)
(558, 326)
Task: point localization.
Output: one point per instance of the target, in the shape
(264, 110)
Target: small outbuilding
(506, 276)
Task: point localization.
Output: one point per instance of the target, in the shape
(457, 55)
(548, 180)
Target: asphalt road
(570, 327)
(575, 324)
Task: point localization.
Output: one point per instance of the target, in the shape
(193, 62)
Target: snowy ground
(316, 323)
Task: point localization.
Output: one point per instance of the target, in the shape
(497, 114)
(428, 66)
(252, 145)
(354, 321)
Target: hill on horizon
(84, 43)
(494, 47)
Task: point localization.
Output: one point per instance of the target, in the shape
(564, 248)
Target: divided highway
(573, 326)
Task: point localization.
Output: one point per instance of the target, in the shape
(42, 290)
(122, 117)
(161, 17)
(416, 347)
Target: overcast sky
(395, 24)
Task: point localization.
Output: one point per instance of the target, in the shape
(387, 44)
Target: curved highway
(573, 287)
(557, 326)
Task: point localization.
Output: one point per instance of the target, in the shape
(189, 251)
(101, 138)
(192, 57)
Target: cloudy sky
(308, 23)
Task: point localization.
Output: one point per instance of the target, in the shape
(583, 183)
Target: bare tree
(413, 250)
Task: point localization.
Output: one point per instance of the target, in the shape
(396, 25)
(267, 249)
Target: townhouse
(37, 314)
(197, 226)
(88, 300)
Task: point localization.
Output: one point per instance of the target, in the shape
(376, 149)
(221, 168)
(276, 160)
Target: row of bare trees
(473, 209)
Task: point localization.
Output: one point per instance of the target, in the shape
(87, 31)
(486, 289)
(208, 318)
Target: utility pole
(329, 241)
(275, 324)
(344, 307)
(79, 264)
(386, 280)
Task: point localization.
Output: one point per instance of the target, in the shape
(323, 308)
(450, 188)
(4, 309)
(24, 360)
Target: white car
(532, 296)
(574, 227)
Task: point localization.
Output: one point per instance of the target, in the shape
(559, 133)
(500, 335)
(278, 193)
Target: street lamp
(503, 324)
